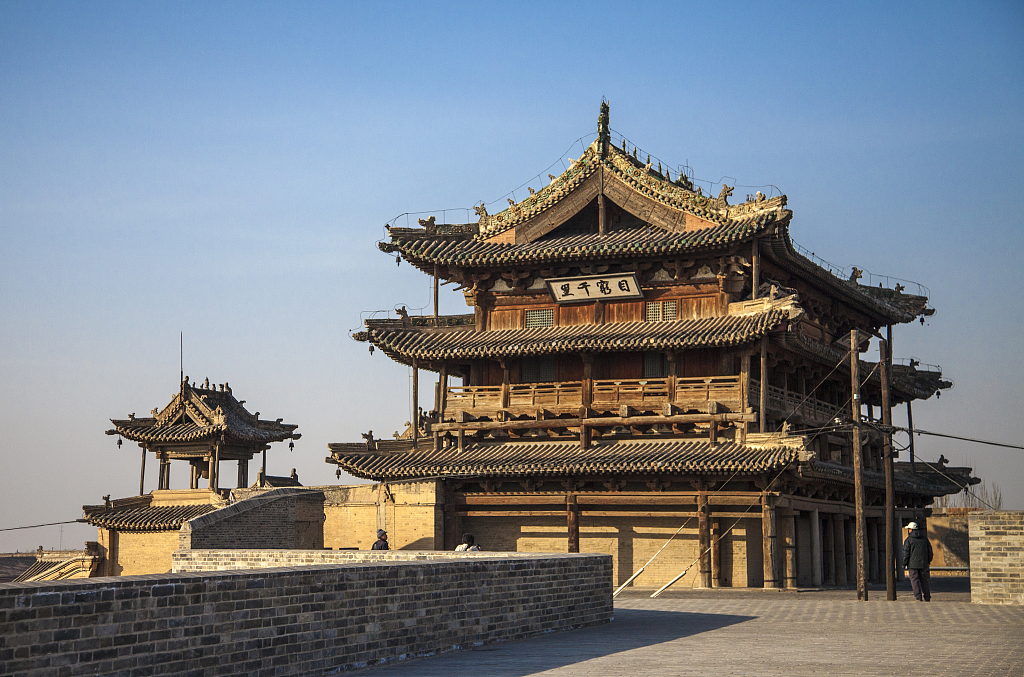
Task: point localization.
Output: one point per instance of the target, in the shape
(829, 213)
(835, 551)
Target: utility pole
(858, 470)
(885, 362)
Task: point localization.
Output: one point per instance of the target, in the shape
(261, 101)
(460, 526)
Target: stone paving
(760, 633)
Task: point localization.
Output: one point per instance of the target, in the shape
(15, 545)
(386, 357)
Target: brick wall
(304, 620)
(997, 557)
(947, 531)
(129, 553)
(631, 543)
(279, 518)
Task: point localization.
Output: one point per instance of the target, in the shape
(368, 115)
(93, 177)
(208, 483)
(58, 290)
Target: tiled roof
(201, 413)
(397, 460)
(674, 196)
(158, 518)
(403, 343)
(637, 241)
(895, 309)
(906, 383)
(917, 481)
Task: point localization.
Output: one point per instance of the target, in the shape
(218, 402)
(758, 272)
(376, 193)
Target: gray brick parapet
(997, 556)
(296, 620)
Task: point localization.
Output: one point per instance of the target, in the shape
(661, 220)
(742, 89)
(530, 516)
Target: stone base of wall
(308, 620)
(997, 556)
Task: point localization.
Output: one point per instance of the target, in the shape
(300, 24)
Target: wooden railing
(535, 395)
(648, 393)
(788, 401)
(467, 398)
(724, 389)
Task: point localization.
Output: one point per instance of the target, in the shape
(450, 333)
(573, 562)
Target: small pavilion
(203, 425)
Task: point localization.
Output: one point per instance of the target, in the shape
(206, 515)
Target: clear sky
(225, 169)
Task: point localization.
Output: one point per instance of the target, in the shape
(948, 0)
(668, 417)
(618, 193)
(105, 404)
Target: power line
(51, 524)
(957, 437)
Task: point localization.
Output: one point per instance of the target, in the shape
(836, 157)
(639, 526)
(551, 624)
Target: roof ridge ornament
(603, 134)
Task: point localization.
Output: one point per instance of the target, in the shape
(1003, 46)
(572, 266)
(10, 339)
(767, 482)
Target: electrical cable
(34, 526)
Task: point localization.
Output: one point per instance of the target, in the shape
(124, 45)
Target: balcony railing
(606, 394)
(788, 401)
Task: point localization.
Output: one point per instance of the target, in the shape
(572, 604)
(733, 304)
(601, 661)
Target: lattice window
(660, 311)
(538, 369)
(543, 317)
(655, 365)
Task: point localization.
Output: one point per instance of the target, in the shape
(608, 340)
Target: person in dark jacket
(382, 541)
(917, 555)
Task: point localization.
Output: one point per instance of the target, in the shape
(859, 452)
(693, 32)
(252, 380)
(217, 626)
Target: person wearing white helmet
(917, 556)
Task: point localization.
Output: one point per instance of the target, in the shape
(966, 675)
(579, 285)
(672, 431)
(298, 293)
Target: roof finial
(603, 135)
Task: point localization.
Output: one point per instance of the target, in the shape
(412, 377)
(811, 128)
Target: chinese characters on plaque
(594, 287)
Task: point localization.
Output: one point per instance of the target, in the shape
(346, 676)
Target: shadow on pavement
(631, 629)
(944, 589)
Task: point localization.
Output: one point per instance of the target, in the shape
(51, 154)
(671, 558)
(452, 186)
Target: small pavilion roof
(201, 413)
(403, 343)
(395, 460)
(138, 514)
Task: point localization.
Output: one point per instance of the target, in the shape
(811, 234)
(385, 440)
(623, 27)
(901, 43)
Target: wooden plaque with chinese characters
(594, 287)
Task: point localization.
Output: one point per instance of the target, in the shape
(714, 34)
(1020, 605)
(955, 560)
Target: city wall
(997, 556)
(312, 619)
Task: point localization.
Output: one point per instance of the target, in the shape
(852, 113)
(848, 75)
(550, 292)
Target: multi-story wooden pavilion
(639, 357)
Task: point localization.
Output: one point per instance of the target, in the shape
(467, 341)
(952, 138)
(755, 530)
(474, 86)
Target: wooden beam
(594, 422)
(511, 513)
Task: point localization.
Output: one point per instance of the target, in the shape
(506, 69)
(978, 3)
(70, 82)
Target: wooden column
(744, 392)
(839, 548)
(601, 215)
(142, 473)
(451, 518)
(415, 402)
(910, 425)
(788, 533)
(861, 555)
(828, 548)
(716, 552)
(762, 415)
(572, 513)
(704, 537)
(755, 277)
(872, 550)
(887, 460)
(436, 284)
(215, 474)
(243, 467)
(816, 573)
(769, 533)
(263, 473)
(504, 384)
(588, 379)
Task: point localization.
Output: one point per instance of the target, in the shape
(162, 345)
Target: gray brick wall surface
(267, 520)
(296, 620)
(997, 556)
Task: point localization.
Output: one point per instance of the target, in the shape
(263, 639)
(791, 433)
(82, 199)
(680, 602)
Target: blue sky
(224, 169)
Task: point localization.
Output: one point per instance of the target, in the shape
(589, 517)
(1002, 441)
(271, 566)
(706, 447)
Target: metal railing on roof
(868, 278)
(917, 364)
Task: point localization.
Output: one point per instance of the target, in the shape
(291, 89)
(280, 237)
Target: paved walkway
(759, 633)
